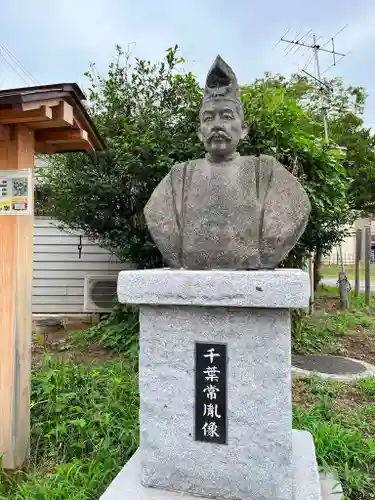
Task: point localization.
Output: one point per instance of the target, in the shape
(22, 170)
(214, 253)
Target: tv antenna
(302, 41)
(316, 48)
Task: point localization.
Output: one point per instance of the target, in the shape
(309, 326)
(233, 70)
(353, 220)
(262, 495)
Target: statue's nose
(217, 121)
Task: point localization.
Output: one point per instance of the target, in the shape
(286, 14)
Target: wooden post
(358, 255)
(311, 274)
(367, 265)
(343, 284)
(16, 261)
(45, 119)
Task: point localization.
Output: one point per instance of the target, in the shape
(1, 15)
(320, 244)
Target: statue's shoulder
(264, 159)
(179, 170)
(265, 163)
(180, 167)
(268, 163)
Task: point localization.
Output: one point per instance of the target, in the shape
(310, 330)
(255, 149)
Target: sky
(56, 40)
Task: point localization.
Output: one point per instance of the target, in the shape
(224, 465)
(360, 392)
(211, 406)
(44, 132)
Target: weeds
(343, 434)
(323, 331)
(367, 386)
(85, 418)
(84, 428)
(119, 332)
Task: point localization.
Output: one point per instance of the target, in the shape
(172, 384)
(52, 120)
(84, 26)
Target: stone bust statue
(225, 210)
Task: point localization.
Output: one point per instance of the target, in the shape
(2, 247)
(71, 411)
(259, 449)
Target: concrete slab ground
(127, 485)
(331, 487)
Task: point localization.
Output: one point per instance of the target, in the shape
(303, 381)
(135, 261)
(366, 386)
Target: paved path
(333, 282)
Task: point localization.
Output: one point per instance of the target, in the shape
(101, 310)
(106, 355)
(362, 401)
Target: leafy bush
(148, 115)
(119, 331)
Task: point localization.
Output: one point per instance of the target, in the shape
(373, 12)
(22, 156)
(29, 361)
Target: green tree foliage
(148, 115)
(347, 129)
(344, 108)
(281, 126)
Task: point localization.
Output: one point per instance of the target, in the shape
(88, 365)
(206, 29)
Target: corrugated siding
(59, 273)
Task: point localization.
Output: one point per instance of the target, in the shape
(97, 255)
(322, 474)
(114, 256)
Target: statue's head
(222, 123)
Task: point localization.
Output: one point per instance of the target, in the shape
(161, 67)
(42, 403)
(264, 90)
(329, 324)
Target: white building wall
(348, 245)
(59, 273)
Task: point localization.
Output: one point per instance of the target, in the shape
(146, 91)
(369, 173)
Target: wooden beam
(79, 123)
(62, 116)
(63, 113)
(16, 262)
(51, 148)
(41, 147)
(9, 116)
(61, 136)
(26, 106)
(73, 146)
(4, 132)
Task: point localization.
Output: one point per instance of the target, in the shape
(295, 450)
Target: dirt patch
(349, 399)
(60, 344)
(360, 345)
(342, 397)
(327, 304)
(301, 396)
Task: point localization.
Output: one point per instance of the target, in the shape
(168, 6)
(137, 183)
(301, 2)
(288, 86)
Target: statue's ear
(199, 133)
(245, 130)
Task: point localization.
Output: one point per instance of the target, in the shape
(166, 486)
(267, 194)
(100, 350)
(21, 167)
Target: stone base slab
(279, 288)
(306, 481)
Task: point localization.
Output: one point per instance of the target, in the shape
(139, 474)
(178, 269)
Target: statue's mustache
(219, 134)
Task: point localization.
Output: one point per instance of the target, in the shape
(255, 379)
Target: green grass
(84, 428)
(324, 331)
(341, 418)
(332, 271)
(85, 418)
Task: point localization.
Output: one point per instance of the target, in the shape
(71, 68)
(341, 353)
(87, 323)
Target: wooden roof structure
(55, 113)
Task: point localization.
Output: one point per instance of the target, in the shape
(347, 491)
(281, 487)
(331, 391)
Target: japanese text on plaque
(210, 393)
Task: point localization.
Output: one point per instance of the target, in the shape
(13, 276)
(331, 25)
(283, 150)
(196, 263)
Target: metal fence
(348, 259)
(334, 259)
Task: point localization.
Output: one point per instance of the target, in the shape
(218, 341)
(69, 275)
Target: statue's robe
(246, 213)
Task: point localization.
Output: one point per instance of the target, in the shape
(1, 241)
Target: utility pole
(316, 48)
(367, 265)
(316, 56)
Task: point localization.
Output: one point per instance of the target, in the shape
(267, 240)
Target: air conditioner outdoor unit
(100, 293)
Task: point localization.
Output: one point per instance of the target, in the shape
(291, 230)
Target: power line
(19, 64)
(14, 69)
(10, 59)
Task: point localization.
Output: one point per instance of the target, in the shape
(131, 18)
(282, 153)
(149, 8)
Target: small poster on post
(16, 192)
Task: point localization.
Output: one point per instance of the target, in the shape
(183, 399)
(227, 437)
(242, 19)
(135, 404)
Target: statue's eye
(227, 116)
(207, 118)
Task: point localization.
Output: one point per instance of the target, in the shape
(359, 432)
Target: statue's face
(221, 127)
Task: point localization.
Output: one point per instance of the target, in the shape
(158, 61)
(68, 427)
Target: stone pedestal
(249, 312)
